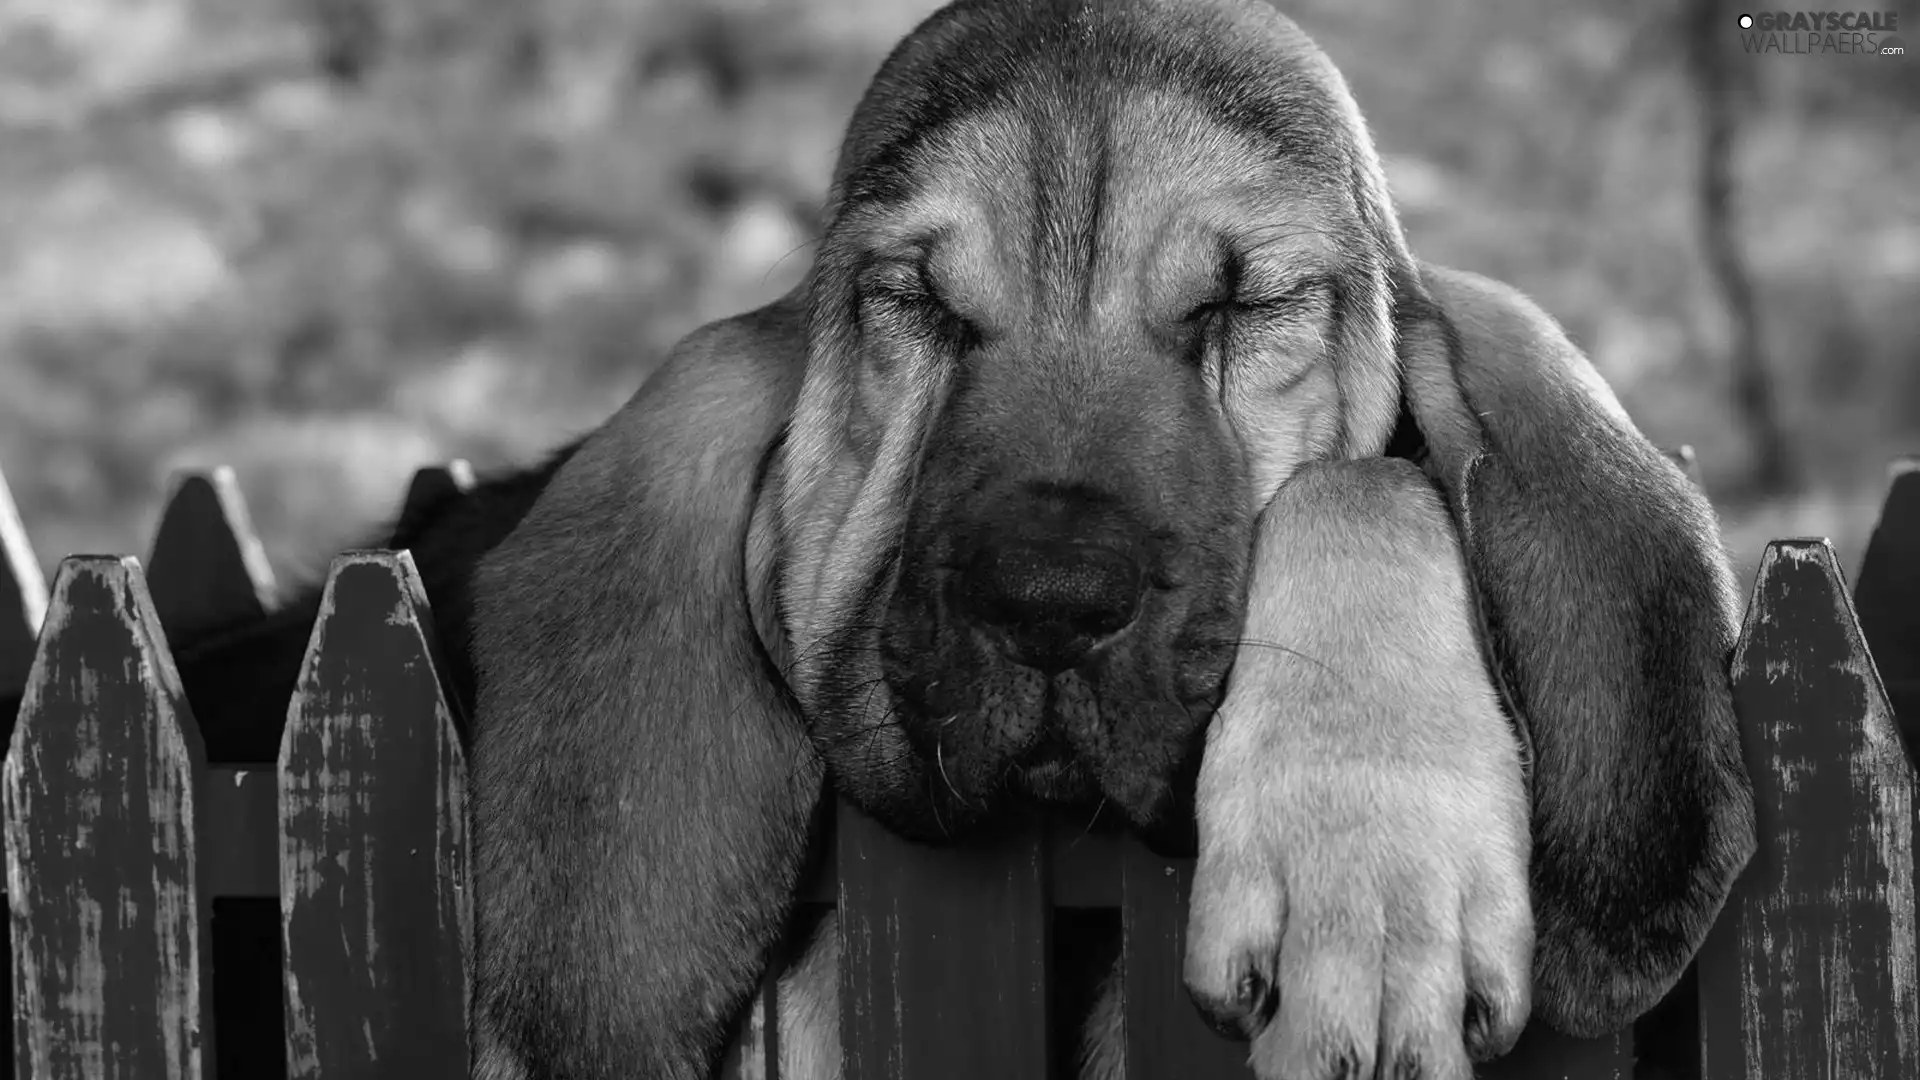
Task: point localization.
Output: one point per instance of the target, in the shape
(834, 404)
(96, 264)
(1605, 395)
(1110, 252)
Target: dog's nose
(1050, 602)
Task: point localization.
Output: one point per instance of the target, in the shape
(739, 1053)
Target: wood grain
(944, 961)
(103, 794)
(376, 912)
(1165, 1034)
(1809, 974)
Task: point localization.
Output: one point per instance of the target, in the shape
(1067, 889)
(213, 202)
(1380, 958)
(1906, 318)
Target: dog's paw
(1348, 920)
(1360, 905)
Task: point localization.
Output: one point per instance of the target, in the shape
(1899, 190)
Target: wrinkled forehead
(1109, 114)
(1149, 162)
(1237, 63)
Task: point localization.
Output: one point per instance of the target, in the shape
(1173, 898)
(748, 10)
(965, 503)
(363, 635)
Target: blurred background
(326, 241)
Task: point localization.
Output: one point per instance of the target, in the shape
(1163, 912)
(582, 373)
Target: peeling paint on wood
(209, 571)
(1811, 973)
(104, 781)
(208, 566)
(23, 603)
(1165, 1034)
(916, 924)
(377, 917)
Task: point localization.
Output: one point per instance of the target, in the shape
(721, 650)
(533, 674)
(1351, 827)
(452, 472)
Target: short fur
(1098, 273)
(1362, 880)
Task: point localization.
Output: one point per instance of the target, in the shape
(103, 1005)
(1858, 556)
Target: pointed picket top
(1814, 975)
(105, 749)
(376, 914)
(432, 488)
(208, 567)
(23, 597)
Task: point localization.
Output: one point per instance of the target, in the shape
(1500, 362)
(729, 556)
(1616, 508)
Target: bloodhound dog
(1113, 393)
(967, 520)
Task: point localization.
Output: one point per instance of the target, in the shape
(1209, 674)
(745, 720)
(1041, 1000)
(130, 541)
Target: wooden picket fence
(122, 840)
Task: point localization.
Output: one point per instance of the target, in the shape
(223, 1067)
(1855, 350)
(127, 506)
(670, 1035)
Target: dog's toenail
(1246, 1013)
(1478, 1026)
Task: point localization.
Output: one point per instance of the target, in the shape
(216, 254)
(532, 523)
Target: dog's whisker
(1287, 650)
(940, 761)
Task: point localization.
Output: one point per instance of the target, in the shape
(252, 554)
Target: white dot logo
(1746, 22)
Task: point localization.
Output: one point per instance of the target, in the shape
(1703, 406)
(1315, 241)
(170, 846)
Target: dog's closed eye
(906, 293)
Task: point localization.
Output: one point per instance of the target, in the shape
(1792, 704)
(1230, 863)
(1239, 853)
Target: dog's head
(1098, 278)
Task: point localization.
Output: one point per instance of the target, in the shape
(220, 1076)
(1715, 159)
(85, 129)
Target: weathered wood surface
(918, 923)
(1829, 953)
(1165, 1034)
(208, 567)
(209, 572)
(23, 603)
(377, 915)
(1888, 597)
(1810, 972)
(103, 797)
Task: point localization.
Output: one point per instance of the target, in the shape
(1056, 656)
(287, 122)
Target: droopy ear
(644, 784)
(1609, 616)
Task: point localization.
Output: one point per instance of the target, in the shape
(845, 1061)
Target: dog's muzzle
(1049, 603)
(1050, 579)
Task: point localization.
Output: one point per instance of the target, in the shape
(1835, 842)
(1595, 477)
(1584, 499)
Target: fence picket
(917, 921)
(1809, 974)
(208, 567)
(104, 777)
(209, 571)
(1165, 1034)
(376, 913)
(1888, 597)
(23, 600)
(429, 493)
